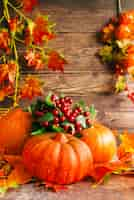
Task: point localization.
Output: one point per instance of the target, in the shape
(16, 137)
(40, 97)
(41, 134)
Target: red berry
(63, 118)
(70, 101)
(66, 127)
(62, 100)
(60, 105)
(46, 123)
(77, 125)
(76, 111)
(79, 129)
(88, 122)
(71, 118)
(56, 120)
(79, 109)
(57, 102)
(39, 113)
(55, 112)
(86, 114)
(66, 99)
(68, 113)
(74, 114)
(66, 104)
(64, 109)
(54, 97)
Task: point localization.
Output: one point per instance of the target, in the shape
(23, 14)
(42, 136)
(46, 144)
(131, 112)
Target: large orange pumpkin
(57, 158)
(101, 141)
(14, 130)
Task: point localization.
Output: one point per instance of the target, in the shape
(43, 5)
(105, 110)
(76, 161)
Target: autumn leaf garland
(117, 37)
(32, 33)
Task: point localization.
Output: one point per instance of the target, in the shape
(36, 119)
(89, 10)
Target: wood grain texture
(118, 188)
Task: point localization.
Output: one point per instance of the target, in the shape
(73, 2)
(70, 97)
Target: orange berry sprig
(34, 34)
(118, 50)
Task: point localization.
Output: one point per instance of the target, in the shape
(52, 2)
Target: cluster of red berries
(64, 115)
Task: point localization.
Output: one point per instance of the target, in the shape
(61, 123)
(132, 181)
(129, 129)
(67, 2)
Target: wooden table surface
(85, 77)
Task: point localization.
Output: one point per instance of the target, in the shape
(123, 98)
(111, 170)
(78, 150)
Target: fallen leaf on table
(14, 173)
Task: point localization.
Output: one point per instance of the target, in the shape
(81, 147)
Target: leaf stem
(17, 75)
(2, 18)
(19, 40)
(18, 11)
(6, 13)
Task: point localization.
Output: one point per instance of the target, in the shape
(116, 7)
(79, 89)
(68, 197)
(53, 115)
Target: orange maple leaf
(31, 88)
(16, 172)
(7, 72)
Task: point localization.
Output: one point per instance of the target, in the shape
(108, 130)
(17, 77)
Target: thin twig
(118, 7)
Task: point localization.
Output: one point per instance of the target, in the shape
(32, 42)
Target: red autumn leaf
(124, 163)
(127, 17)
(13, 22)
(4, 40)
(103, 169)
(127, 142)
(14, 172)
(7, 72)
(107, 32)
(56, 61)
(31, 88)
(124, 31)
(29, 4)
(39, 31)
(34, 60)
(6, 91)
(126, 148)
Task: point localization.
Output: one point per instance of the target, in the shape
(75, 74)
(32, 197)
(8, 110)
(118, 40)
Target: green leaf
(78, 135)
(39, 131)
(48, 100)
(28, 109)
(93, 112)
(106, 53)
(62, 95)
(120, 84)
(57, 128)
(106, 178)
(81, 104)
(47, 117)
(3, 190)
(82, 120)
(31, 108)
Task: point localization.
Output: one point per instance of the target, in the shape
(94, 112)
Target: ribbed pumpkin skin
(57, 158)
(14, 130)
(101, 142)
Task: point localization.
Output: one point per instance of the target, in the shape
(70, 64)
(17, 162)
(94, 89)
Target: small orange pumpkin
(101, 141)
(57, 158)
(14, 130)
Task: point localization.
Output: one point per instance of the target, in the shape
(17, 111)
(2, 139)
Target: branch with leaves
(117, 37)
(34, 34)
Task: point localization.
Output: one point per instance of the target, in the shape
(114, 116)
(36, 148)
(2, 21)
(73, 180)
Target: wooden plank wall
(85, 77)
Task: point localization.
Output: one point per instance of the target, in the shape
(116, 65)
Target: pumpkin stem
(60, 137)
